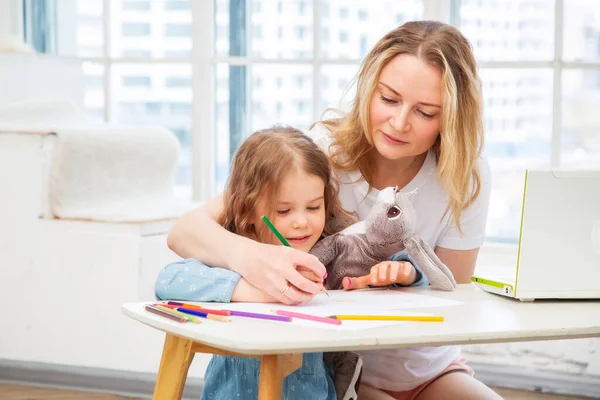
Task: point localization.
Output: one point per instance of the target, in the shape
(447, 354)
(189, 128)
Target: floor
(16, 392)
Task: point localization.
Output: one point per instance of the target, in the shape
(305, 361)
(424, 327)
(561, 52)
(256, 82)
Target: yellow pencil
(217, 318)
(418, 318)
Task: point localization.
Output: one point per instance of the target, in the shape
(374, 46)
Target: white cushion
(99, 171)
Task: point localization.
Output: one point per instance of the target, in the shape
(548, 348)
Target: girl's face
(299, 210)
(406, 108)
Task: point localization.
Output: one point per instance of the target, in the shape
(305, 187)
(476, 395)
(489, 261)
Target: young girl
(280, 173)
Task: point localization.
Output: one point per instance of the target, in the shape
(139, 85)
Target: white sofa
(66, 273)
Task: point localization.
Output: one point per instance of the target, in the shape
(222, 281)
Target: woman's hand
(246, 293)
(275, 271)
(383, 274)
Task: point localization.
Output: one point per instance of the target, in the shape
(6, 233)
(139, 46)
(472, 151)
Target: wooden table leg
(273, 368)
(176, 359)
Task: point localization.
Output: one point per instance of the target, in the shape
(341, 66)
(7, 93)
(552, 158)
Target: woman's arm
(460, 262)
(269, 268)
(473, 220)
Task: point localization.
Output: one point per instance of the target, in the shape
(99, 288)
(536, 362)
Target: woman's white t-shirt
(405, 369)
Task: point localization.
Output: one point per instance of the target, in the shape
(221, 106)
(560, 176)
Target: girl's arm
(269, 268)
(399, 270)
(190, 280)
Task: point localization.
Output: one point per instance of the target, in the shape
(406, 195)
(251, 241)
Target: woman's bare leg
(457, 385)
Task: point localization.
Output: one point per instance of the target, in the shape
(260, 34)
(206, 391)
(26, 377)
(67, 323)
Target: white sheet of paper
(367, 302)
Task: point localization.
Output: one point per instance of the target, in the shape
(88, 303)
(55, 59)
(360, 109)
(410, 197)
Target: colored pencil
(172, 311)
(308, 317)
(282, 239)
(202, 314)
(275, 231)
(260, 316)
(162, 313)
(176, 304)
(419, 318)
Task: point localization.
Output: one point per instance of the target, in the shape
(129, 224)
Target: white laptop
(559, 244)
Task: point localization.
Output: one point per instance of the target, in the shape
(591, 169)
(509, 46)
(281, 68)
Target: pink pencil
(308, 317)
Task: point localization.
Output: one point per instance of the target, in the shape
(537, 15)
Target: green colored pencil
(275, 231)
(280, 237)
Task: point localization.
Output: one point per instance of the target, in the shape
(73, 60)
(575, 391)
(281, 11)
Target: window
(178, 54)
(177, 82)
(302, 7)
(136, 5)
(134, 53)
(181, 5)
(134, 29)
(142, 89)
(272, 79)
(257, 32)
(136, 81)
(300, 32)
(180, 108)
(531, 123)
(178, 30)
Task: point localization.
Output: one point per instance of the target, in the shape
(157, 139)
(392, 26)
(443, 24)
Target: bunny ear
(387, 195)
(436, 271)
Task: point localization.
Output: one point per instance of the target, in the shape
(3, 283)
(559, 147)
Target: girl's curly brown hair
(258, 168)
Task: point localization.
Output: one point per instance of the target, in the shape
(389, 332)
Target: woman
(416, 123)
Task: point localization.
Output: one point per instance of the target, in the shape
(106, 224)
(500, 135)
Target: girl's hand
(271, 268)
(383, 274)
(244, 292)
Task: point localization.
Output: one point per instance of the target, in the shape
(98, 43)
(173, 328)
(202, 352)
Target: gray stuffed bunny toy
(389, 228)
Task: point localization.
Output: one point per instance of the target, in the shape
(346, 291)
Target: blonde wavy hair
(459, 145)
(260, 165)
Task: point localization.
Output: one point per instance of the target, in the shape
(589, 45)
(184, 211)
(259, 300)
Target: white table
(481, 318)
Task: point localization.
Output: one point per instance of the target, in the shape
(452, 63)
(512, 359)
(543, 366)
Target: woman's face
(406, 108)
